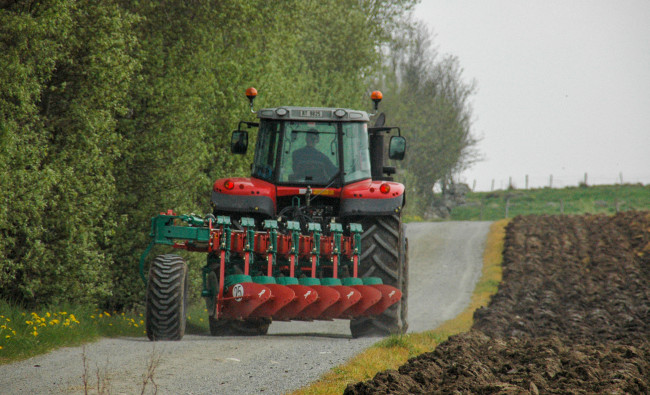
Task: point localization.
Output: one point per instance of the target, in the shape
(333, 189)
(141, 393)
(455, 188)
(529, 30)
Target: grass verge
(394, 351)
(24, 334)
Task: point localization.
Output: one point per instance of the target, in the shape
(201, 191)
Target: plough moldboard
(278, 272)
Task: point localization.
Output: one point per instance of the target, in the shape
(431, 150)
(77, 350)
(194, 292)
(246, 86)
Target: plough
(281, 276)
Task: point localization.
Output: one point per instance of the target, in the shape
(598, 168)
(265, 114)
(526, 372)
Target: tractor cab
(311, 147)
(323, 147)
(313, 164)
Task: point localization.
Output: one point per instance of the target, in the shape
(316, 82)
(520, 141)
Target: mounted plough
(266, 274)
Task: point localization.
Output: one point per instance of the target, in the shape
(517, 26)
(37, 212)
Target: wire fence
(556, 181)
(577, 200)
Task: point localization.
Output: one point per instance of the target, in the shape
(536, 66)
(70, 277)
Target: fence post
(507, 206)
(526, 181)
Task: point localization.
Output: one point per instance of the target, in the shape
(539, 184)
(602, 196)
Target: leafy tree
(427, 97)
(68, 66)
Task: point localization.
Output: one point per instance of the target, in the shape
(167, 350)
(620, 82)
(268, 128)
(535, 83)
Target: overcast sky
(563, 87)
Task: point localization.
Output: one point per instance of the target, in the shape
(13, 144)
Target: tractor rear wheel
(166, 303)
(384, 254)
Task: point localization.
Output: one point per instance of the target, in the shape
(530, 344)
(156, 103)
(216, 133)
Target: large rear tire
(166, 304)
(384, 254)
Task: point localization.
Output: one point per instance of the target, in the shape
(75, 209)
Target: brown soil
(572, 315)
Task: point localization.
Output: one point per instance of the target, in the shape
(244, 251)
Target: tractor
(315, 233)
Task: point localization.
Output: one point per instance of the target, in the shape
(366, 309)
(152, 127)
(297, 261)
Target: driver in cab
(309, 161)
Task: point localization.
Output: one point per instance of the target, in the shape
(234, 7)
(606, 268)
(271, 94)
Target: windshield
(310, 152)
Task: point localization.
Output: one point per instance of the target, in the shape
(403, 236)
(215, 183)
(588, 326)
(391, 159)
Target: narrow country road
(445, 264)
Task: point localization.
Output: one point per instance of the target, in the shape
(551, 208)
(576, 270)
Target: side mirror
(239, 142)
(397, 147)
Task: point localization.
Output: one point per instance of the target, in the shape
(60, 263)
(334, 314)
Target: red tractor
(314, 234)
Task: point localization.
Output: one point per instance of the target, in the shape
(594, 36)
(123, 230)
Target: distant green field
(607, 199)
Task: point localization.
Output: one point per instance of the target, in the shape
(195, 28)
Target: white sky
(563, 87)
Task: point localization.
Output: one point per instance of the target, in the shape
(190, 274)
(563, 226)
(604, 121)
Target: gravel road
(445, 264)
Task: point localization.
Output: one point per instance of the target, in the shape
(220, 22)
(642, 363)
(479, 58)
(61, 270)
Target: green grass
(607, 199)
(26, 333)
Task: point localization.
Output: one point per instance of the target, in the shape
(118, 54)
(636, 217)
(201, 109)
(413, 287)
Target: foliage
(606, 199)
(65, 67)
(113, 111)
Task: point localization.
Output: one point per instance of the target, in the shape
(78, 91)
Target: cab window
(310, 153)
(356, 157)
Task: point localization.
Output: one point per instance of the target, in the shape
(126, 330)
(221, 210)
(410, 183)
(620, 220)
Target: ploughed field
(572, 315)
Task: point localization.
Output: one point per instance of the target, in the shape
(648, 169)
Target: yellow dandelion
(101, 315)
(141, 322)
(3, 326)
(48, 314)
(35, 333)
(14, 332)
(0, 347)
(110, 324)
(8, 319)
(92, 316)
(106, 314)
(8, 337)
(136, 325)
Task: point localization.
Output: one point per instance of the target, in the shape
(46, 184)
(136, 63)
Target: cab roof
(313, 114)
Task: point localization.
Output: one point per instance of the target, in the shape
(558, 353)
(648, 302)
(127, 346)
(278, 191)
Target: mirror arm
(248, 124)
